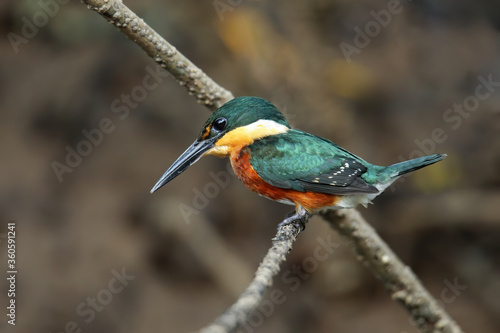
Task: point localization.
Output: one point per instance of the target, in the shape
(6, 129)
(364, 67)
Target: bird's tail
(402, 168)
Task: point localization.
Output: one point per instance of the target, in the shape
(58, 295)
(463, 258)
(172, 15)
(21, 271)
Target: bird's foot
(299, 218)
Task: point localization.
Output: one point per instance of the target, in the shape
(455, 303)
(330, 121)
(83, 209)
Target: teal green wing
(304, 162)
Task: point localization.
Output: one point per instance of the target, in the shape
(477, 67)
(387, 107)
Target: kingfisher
(288, 165)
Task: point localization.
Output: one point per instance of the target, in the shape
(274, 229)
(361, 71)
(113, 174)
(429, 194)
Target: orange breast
(311, 201)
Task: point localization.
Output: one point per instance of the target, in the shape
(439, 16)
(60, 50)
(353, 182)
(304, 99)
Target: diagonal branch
(197, 83)
(397, 278)
(371, 249)
(239, 313)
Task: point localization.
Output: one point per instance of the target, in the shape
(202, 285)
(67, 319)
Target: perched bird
(288, 165)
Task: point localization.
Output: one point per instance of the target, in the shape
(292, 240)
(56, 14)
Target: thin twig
(239, 313)
(197, 83)
(396, 277)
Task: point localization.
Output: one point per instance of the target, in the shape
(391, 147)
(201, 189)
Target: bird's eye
(219, 124)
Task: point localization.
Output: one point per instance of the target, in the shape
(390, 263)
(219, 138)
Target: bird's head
(234, 125)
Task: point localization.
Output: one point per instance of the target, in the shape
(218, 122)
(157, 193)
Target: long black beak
(188, 158)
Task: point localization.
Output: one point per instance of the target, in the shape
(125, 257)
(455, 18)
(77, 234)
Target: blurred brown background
(97, 253)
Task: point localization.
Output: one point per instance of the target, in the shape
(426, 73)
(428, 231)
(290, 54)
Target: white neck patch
(264, 127)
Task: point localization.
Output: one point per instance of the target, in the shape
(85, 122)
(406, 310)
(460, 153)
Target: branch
(396, 277)
(197, 83)
(239, 313)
